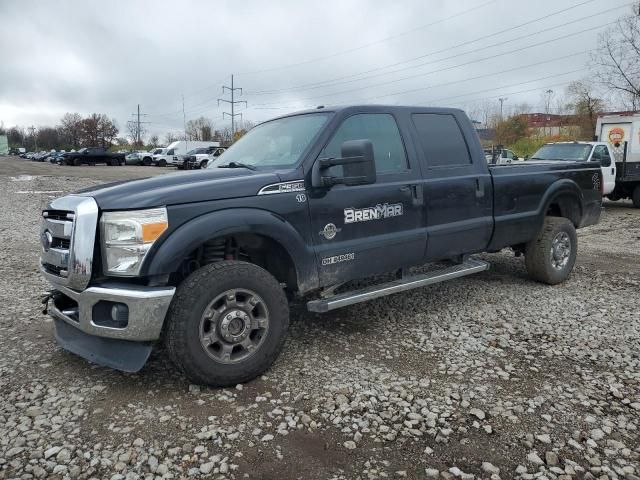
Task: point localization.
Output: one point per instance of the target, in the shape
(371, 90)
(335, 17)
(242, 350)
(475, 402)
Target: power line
(591, 29)
(361, 47)
(338, 80)
(232, 102)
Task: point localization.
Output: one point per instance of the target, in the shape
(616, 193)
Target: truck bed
(521, 190)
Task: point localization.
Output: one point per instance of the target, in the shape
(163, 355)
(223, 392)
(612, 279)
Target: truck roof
(373, 108)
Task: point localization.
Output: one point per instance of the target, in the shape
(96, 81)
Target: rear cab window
(441, 139)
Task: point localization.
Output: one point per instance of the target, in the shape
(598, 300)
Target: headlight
(128, 236)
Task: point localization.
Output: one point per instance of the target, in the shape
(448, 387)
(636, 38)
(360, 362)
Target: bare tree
(617, 60)
(135, 132)
(586, 106)
(71, 125)
(170, 137)
(154, 141)
(200, 129)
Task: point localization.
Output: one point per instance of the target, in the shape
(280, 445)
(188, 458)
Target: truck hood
(178, 188)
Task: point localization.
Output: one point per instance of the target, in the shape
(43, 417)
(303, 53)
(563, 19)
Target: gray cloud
(108, 57)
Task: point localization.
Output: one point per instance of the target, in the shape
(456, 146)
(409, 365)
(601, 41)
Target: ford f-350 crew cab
(208, 260)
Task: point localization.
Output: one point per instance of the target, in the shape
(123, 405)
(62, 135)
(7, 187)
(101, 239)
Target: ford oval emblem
(47, 240)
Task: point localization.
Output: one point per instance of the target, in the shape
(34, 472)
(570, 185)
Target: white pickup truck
(583, 152)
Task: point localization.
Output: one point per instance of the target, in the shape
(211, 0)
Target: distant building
(552, 124)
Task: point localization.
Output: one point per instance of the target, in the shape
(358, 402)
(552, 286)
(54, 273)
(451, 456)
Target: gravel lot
(491, 376)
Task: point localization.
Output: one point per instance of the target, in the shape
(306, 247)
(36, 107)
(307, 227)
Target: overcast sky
(107, 57)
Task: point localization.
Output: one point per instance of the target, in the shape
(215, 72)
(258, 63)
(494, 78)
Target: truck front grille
(67, 235)
(57, 227)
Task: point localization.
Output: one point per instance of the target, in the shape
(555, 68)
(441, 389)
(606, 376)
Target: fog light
(120, 313)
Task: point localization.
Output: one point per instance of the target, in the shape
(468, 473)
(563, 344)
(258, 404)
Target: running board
(468, 267)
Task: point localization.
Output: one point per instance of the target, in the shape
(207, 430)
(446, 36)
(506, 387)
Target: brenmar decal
(283, 187)
(380, 211)
(345, 257)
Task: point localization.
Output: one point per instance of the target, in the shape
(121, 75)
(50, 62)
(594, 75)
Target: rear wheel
(146, 161)
(550, 257)
(203, 164)
(227, 323)
(162, 163)
(635, 196)
(77, 162)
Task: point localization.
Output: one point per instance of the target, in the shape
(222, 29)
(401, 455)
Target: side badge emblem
(329, 231)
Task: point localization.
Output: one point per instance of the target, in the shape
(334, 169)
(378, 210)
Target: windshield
(278, 143)
(194, 151)
(563, 151)
(83, 150)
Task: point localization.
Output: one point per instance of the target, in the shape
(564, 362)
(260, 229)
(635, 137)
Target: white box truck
(622, 132)
(175, 152)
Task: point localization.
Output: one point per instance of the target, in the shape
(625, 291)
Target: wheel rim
(560, 250)
(234, 326)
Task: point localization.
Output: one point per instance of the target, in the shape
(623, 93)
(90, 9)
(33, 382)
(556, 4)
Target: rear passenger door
(458, 192)
(366, 229)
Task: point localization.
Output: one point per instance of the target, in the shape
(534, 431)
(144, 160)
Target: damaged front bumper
(113, 324)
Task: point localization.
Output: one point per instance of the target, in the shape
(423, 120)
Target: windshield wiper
(237, 165)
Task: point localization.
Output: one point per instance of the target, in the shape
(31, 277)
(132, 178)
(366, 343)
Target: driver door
(361, 230)
(608, 167)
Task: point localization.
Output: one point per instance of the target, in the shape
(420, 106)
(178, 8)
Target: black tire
(548, 262)
(184, 322)
(146, 161)
(77, 162)
(113, 162)
(203, 163)
(162, 163)
(635, 196)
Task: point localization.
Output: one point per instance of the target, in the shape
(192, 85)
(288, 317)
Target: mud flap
(108, 352)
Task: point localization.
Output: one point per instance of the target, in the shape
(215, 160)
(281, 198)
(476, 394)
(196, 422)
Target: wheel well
(566, 206)
(249, 247)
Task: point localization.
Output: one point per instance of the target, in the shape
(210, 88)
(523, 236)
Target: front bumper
(89, 310)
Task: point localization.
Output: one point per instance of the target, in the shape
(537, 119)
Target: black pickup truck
(302, 205)
(93, 155)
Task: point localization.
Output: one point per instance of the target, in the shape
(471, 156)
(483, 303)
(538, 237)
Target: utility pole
(138, 125)
(233, 102)
(502, 100)
(32, 129)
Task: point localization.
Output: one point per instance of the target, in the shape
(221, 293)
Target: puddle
(22, 178)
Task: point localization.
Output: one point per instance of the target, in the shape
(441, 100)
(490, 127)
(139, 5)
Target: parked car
(134, 158)
(297, 207)
(200, 157)
(93, 156)
(582, 152)
(174, 153)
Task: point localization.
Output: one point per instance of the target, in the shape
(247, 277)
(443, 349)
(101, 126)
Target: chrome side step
(468, 267)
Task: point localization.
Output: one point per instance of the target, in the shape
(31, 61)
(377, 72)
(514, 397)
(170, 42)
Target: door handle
(479, 188)
(405, 188)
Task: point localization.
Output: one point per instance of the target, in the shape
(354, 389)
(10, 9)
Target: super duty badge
(380, 211)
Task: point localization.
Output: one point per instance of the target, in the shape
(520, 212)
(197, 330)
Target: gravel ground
(491, 376)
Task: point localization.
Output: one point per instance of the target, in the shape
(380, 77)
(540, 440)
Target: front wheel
(635, 196)
(550, 257)
(203, 164)
(162, 163)
(227, 323)
(146, 161)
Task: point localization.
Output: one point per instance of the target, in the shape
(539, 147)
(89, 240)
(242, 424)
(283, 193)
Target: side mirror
(605, 161)
(358, 166)
(515, 157)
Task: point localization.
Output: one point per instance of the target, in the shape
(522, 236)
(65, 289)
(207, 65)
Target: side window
(441, 139)
(382, 130)
(600, 153)
(170, 152)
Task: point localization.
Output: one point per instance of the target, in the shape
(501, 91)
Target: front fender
(166, 257)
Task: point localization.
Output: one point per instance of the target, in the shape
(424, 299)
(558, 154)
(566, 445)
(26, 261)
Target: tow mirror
(358, 166)
(605, 161)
